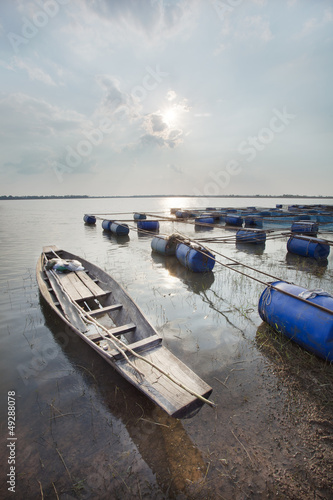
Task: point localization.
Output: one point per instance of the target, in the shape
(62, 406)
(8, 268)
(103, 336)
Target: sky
(135, 97)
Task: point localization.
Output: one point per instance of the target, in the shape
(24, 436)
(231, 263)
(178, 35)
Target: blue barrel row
(89, 219)
(194, 258)
(115, 227)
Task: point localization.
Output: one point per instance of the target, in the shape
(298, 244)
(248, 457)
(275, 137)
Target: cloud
(171, 95)
(115, 101)
(159, 133)
(37, 133)
(152, 19)
(35, 73)
(315, 23)
(255, 27)
(36, 116)
(154, 124)
(175, 168)
(152, 140)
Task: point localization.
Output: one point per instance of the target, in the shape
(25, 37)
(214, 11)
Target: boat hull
(141, 337)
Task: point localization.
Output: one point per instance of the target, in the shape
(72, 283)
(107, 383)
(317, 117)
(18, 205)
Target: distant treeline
(79, 196)
(50, 197)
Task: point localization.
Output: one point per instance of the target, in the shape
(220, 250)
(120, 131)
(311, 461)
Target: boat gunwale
(188, 409)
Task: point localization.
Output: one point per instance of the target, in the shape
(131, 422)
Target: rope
(314, 304)
(89, 319)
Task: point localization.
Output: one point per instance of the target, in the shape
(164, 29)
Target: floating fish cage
(181, 214)
(266, 213)
(283, 309)
(233, 220)
(325, 218)
(138, 216)
(106, 225)
(308, 247)
(89, 219)
(304, 227)
(115, 227)
(195, 258)
(250, 236)
(148, 225)
(204, 220)
(164, 245)
(253, 221)
(303, 217)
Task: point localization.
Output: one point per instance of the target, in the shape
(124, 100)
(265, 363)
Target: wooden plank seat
(80, 286)
(116, 331)
(90, 283)
(140, 345)
(103, 310)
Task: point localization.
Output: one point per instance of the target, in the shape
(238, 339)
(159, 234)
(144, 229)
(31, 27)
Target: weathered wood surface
(159, 388)
(90, 284)
(70, 312)
(139, 346)
(142, 337)
(103, 310)
(118, 330)
(74, 286)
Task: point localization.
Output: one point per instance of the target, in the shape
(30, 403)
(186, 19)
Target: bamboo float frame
(318, 306)
(199, 242)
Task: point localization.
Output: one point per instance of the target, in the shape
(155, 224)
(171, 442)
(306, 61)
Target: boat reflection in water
(117, 424)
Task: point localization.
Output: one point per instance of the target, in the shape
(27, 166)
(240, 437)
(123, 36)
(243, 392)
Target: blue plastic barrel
(252, 221)
(89, 219)
(250, 236)
(233, 220)
(304, 227)
(106, 225)
(310, 327)
(195, 260)
(308, 247)
(265, 213)
(148, 225)
(138, 216)
(164, 246)
(302, 217)
(324, 218)
(204, 220)
(180, 214)
(119, 228)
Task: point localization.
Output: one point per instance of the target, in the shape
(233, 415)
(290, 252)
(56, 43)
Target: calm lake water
(82, 431)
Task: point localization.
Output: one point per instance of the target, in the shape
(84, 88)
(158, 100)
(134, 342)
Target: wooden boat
(121, 334)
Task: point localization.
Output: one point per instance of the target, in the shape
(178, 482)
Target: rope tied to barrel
(267, 296)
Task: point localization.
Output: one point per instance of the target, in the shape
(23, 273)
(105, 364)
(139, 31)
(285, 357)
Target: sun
(170, 116)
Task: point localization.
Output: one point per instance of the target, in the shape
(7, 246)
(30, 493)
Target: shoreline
(80, 197)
